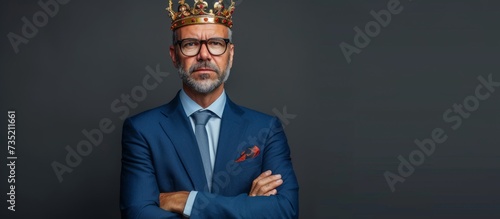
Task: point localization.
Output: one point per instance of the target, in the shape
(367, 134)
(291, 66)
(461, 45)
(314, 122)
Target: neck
(204, 100)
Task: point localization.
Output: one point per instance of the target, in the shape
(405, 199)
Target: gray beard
(205, 85)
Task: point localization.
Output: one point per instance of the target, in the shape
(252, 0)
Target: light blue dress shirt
(213, 130)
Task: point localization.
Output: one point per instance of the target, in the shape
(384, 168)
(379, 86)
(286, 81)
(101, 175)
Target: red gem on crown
(186, 15)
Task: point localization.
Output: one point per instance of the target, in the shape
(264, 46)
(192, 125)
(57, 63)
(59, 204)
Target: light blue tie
(200, 120)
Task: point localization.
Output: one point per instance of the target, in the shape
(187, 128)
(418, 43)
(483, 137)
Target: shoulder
(155, 114)
(150, 113)
(146, 118)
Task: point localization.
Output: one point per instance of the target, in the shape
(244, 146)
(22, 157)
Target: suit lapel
(233, 126)
(177, 127)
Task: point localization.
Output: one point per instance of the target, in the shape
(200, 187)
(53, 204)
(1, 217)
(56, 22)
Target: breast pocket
(251, 157)
(250, 163)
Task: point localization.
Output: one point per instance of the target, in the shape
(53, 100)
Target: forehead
(202, 31)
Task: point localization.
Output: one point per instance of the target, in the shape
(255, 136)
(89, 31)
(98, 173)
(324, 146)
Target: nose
(203, 54)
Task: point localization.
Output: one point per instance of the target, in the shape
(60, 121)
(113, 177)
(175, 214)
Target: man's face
(203, 72)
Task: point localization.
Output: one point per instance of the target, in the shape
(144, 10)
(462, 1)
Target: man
(201, 155)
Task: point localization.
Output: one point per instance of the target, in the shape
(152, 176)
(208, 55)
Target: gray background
(353, 120)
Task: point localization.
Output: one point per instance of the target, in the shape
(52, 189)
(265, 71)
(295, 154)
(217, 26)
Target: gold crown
(199, 15)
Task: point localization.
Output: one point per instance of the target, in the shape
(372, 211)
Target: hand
(265, 184)
(174, 201)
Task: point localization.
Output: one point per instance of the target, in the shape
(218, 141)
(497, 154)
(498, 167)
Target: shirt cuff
(189, 203)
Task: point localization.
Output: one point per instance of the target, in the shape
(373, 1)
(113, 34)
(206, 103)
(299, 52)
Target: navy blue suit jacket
(160, 154)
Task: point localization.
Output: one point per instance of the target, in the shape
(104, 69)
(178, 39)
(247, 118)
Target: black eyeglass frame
(179, 42)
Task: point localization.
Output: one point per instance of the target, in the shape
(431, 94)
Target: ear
(231, 54)
(173, 56)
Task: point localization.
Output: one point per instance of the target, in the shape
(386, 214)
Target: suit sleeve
(283, 205)
(138, 187)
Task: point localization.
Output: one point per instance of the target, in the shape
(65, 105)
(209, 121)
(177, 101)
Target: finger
(267, 180)
(258, 179)
(269, 187)
(267, 184)
(262, 175)
(272, 192)
(258, 183)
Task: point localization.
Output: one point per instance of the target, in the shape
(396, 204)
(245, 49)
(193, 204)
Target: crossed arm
(264, 185)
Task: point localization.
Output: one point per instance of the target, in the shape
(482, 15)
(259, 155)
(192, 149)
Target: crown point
(200, 13)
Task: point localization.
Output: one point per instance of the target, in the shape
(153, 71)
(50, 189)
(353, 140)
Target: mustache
(204, 65)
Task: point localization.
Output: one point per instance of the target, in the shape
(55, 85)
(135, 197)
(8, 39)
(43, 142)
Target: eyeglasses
(215, 46)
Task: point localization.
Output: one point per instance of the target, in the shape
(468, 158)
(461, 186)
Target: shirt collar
(190, 106)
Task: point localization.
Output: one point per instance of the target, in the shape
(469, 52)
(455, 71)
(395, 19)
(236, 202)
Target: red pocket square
(251, 152)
